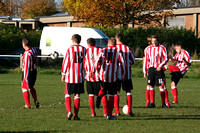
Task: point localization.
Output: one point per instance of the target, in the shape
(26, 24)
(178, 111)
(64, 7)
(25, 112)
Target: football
(125, 109)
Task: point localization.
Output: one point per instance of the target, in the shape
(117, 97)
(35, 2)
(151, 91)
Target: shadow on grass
(161, 117)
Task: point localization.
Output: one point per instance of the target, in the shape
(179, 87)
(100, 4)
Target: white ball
(125, 109)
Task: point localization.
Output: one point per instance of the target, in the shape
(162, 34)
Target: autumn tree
(33, 8)
(123, 12)
(9, 7)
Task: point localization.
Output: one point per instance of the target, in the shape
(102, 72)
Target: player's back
(91, 56)
(110, 58)
(129, 59)
(73, 64)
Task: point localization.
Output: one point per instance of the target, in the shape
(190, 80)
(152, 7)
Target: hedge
(10, 37)
(137, 37)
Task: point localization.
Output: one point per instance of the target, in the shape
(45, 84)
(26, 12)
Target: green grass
(50, 117)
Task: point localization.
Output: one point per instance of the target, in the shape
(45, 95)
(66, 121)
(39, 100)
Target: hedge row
(137, 37)
(10, 37)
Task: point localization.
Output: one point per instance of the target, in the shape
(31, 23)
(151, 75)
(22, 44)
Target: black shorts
(176, 77)
(74, 88)
(155, 77)
(93, 87)
(109, 88)
(31, 78)
(126, 85)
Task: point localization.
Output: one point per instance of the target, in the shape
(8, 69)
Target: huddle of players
(106, 70)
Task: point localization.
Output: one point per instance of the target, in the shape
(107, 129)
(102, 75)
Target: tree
(9, 7)
(123, 12)
(33, 8)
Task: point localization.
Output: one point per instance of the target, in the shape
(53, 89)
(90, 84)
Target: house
(184, 17)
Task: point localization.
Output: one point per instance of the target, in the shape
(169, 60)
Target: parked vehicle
(56, 40)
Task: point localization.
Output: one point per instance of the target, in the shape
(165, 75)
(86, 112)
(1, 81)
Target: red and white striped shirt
(29, 61)
(72, 66)
(154, 57)
(180, 63)
(109, 60)
(90, 58)
(129, 59)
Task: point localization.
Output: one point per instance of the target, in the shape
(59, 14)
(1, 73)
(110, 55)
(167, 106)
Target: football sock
(152, 95)
(129, 102)
(68, 102)
(105, 103)
(110, 105)
(34, 94)
(76, 105)
(116, 102)
(91, 103)
(26, 96)
(175, 93)
(166, 96)
(162, 94)
(147, 96)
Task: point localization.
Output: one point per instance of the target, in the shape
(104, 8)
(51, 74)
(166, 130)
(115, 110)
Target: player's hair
(91, 41)
(26, 41)
(76, 38)
(120, 37)
(112, 41)
(154, 36)
(178, 44)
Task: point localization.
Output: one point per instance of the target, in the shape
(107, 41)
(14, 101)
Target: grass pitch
(50, 117)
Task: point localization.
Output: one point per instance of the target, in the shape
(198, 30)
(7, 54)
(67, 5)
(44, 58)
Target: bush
(11, 36)
(136, 38)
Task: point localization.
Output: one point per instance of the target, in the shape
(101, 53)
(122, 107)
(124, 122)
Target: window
(101, 43)
(176, 22)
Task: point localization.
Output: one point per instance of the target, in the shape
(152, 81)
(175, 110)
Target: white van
(58, 39)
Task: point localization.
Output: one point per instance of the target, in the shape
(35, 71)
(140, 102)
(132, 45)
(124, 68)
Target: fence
(42, 56)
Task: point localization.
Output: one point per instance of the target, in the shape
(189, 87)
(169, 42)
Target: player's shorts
(74, 88)
(176, 77)
(155, 77)
(126, 85)
(109, 88)
(93, 87)
(31, 78)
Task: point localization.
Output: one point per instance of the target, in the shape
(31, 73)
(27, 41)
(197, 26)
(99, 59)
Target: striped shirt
(90, 58)
(129, 59)
(109, 60)
(72, 66)
(29, 61)
(180, 63)
(155, 57)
